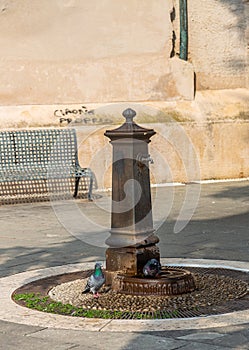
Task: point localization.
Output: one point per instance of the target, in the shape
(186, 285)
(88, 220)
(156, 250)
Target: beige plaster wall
(182, 152)
(207, 138)
(219, 43)
(60, 55)
(68, 51)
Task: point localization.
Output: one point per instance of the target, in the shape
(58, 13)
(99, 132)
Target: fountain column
(132, 241)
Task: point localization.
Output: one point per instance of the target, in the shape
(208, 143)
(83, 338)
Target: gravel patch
(211, 290)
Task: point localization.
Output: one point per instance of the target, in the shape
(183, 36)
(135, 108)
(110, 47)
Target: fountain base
(171, 281)
(129, 260)
(218, 291)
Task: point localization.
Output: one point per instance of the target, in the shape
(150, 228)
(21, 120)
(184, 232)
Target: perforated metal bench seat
(21, 173)
(41, 160)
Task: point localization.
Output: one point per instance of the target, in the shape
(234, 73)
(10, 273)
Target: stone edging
(12, 312)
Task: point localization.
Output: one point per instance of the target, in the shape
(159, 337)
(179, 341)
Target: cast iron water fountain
(133, 241)
(175, 292)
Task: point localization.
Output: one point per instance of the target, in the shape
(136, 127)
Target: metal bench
(42, 160)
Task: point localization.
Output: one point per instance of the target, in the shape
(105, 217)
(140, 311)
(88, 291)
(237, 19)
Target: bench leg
(89, 195)
(90, 198)
(77, 181)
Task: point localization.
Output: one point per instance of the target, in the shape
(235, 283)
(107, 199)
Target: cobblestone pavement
(33, 236)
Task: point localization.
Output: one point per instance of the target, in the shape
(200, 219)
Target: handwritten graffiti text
(64, 112)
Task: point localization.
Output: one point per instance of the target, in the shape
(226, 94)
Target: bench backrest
(38, 148)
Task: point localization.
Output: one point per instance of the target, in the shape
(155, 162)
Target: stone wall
(59, 56)
(207, 138)
(73, 51)
(219, 43)
(67, 51)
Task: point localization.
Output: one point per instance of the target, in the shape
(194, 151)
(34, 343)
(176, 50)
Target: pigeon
(152, 268)
(95, 281)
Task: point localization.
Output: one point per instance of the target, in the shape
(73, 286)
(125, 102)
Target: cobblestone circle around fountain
(211, 290)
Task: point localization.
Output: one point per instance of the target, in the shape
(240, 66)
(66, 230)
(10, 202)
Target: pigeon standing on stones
(152, 268)
(95, 281)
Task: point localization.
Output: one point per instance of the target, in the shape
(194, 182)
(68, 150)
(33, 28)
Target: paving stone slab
(201, 336)
(17, 329)
(10, 342)
(198, 346)
(105, 342)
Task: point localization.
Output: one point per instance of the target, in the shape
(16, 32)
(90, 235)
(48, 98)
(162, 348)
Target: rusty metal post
(132, 241)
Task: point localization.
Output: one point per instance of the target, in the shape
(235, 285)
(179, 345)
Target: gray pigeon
(152, 268)
(95, 281)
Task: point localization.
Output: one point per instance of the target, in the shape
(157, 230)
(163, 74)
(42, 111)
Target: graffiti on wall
(80, 115)
(65, 112)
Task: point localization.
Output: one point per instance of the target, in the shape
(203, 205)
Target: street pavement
(40, 235)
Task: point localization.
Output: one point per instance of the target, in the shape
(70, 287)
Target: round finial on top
(129, 114)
